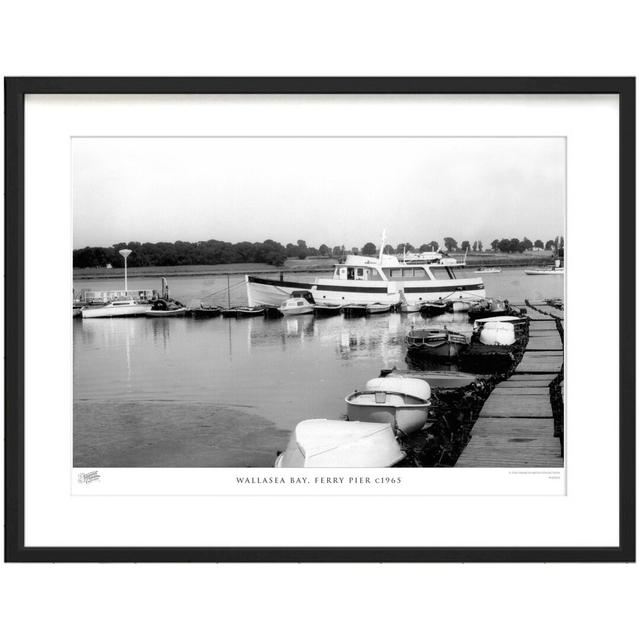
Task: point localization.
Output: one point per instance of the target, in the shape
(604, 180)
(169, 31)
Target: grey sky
(323, 190)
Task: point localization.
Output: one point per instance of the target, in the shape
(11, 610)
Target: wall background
(329, 38)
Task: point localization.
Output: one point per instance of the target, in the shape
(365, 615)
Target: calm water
(226, 392)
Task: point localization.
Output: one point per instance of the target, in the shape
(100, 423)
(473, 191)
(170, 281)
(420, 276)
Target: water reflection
(287, 369)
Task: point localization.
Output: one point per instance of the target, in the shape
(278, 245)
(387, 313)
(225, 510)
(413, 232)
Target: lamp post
(125, 253)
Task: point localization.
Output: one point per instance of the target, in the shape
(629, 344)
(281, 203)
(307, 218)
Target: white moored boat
(299, 303)
(402, 402)
(369, 280)
(555, 271)
(339, 443)
(117, 309)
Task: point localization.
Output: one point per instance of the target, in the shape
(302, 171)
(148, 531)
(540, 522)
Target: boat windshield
(405, 273)
(443, 272)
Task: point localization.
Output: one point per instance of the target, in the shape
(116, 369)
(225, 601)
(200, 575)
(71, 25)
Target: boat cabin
(393, 270)
(303, 295)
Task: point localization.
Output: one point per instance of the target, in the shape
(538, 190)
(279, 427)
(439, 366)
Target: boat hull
(171, 313)
(544, 272)
(406, 418)
(299, 311)
(327, 310)
(262, 291)
(107, 311)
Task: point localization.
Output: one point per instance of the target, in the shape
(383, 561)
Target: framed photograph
(320, 319)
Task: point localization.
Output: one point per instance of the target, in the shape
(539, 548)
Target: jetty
(521, 423)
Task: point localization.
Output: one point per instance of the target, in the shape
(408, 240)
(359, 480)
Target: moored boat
(340, 443)
(488, 270)
(354, 310)
(437, 342)
(206, 311)
(402, 402)
(299, 303)
(431, 309)
(166, 309)
(553, 271)
(377, 307)
(488, 307)
(367, 280)
(242, 312)
(116, 309)
(327, 309)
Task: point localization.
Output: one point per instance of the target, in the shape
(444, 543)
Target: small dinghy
(271, 311)
(402, 402)
(166, 309)
(407, 307)
(354, 310)
(519, 323)
(339, 443)
(242, 312)
(488, 270)
(437, 380)
(439, 343)
(206, 312)
(299, 303)
(327, 309)
(431, 309)
(487, 308)
(378, 307)
(460, 305)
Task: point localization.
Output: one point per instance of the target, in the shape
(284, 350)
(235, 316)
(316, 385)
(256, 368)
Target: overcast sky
(324, 190)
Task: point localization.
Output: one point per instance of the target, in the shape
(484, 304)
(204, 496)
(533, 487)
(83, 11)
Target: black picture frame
(15, 91)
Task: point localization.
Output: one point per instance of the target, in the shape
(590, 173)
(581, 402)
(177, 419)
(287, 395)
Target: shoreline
(311, 266)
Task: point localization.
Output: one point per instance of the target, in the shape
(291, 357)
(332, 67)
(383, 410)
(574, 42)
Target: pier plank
(512, 442)
(504, 390)
(525, 384)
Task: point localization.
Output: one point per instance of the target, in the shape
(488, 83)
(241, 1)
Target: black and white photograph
(318, 301)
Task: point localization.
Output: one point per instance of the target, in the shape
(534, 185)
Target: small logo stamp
(86, 478)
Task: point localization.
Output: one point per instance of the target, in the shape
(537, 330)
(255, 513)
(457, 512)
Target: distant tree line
(165, 254)
(513, 245)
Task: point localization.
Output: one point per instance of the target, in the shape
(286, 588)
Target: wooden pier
(516, 426)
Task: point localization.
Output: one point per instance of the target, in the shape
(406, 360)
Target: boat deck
(516, 427)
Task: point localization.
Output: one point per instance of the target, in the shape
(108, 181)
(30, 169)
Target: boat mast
(228, 293)
(125, 253)
(384, 237)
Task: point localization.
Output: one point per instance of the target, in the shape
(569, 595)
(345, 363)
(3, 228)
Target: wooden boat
(326, 309)
(206, 312)
(242, 312)
(488, 270)
(401, 402)
(431, 309)
(354, 310)
(340, 443)
(299, 303)
(487, 308)
(438, 380)
(271, 311)
(437, 343)
(166, 309)
(116, 309)
(407, 307)
(378, 307)
(553, 271)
